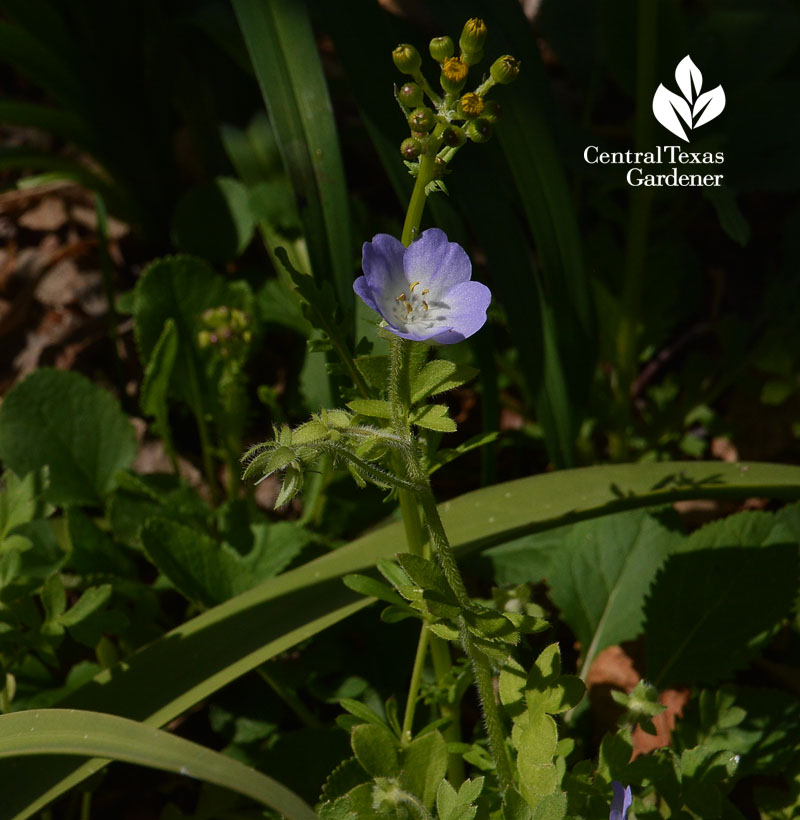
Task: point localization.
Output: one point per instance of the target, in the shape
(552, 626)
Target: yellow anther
(400, 298)
(455, 70)
(472, 104)
(408, 307)
(424, 304)
(425, 292)
(413, 285)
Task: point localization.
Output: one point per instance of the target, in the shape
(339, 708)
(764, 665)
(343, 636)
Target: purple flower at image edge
(424, 292)
(621, 802)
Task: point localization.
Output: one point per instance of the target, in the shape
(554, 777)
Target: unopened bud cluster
(442, 124)
(227, 329)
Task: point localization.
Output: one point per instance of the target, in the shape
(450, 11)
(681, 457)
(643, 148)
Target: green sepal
(270, 461)
(292, 484)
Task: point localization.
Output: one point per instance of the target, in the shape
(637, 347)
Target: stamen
(413, 285)
(424, 304)
(425, 292)
(409, 309)
(400, 298)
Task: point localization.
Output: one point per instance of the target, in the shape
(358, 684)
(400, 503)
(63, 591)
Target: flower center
(416, 307)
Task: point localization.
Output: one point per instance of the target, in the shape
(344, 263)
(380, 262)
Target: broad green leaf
(710, 611)
(434, 417)
(552, 807)
(59, 419)
(155, 384)
(180, 288)
(21, 500)
(424, 763)
(209, 572)
(601, 573)
(50, 732)
(284, 55)
(209, 651)
(214, 220)
(375, 370)
(439, 376)
(375, 748)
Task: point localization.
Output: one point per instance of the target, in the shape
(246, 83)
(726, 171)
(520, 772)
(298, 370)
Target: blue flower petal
(621, 802)
(468, 303)
(436, 261)
(382, 261)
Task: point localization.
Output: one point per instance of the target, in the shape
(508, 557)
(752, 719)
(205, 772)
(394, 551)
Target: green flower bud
(471, 105)
(454, 75)
(453, 136)
(479, 130)
(410, 95)
(411, 148)
(441, 48)
(421, 119)
(492, 111)
(505, 69)
(406, 59)
(473, 57)
(473, 36)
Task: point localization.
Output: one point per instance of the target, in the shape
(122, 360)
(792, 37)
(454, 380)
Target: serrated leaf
(425, 574)
(371, 407)
(434, 417)
(208, 572)
(439, 376)
(346, 776)
(59, 419)
(710, 611)
(424, 766)
(601, 573)
(375, 748)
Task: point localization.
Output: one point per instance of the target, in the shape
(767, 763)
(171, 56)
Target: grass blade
(206, 653)
(284, 55)
(93, 734)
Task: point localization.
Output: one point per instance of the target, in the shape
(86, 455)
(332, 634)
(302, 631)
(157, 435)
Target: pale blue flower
(621, 802)
(423, 292)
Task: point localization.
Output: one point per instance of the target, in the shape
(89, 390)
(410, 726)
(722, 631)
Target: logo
(693, 108)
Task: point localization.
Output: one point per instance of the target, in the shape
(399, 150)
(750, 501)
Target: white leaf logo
(693, 108)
